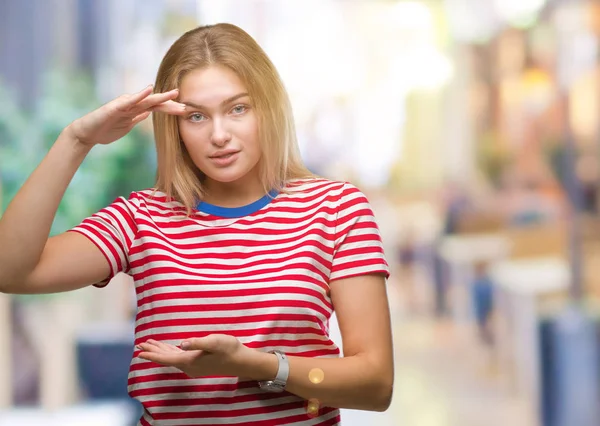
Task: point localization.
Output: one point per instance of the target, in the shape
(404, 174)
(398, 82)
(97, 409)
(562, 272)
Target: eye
(239, 109)
(196, 117)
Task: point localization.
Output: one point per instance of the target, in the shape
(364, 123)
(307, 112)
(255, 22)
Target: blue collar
(232, 212)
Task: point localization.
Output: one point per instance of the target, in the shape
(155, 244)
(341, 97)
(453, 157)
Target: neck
(233, 194)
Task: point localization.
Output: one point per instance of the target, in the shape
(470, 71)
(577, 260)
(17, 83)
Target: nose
(219, 135)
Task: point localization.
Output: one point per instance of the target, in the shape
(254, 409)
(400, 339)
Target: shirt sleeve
(113, 231)
(358, 246)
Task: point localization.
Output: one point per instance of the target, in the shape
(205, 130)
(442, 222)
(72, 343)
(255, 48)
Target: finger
(148, 347)
(165, 346)
(137, 97)
(209, 343)
(170, 359)
(141, 117)
(154, 346)
(170, 107)
(156, 99)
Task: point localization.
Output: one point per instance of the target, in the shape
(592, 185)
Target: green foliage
(108, 172)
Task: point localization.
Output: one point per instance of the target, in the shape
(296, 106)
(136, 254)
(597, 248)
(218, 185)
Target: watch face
(271, 386)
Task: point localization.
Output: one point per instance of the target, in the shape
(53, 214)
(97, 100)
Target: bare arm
(363, 378)
(68, 261)
(30, 262)
(25, 226)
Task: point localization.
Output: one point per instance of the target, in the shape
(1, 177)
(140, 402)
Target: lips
(224, 158)
(222, 155)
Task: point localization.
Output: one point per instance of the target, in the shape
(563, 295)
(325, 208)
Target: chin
(227, 176)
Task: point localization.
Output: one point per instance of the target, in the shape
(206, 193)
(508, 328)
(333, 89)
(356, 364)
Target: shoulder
(151, 200)
(328, 188)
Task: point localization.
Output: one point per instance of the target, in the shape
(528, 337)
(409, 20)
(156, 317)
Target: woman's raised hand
(115, 119)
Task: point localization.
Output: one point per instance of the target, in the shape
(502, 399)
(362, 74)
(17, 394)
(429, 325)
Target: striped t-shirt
(260, 273)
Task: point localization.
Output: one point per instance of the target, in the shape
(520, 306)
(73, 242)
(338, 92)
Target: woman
(238, 254)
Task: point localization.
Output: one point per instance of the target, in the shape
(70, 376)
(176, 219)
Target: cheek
(185, 130)
(252, 137)
(192, 137)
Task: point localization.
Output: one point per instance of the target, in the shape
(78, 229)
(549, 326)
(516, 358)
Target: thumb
(207, 344)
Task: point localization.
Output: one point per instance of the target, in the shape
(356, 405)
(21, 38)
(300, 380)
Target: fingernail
(185, 345)
(138, 347)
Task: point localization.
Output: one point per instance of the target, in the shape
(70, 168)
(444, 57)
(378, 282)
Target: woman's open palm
(115, 119)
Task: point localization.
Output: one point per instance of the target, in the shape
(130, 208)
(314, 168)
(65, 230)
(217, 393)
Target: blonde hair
(229, 46)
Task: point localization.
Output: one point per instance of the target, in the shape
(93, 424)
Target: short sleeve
(358, 246)
(113, 231)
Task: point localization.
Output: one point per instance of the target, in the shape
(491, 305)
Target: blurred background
(472, 126)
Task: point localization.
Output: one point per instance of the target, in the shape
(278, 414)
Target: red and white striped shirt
(260, 273)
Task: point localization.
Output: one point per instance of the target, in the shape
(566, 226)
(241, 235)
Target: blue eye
(195, 117)
(239, 109)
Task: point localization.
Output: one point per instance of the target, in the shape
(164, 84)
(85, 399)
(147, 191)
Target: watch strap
(283, 371)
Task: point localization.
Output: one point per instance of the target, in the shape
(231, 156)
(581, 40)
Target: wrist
(70, 134)
(259, 365)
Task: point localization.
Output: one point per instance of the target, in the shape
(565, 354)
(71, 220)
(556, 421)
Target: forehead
(210, 85)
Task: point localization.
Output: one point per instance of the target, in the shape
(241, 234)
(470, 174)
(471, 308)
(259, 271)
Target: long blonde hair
(229, 46)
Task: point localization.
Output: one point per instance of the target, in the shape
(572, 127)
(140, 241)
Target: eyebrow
(225, 102)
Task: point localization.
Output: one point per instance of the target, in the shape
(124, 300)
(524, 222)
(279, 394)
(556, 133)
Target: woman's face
(219, 127)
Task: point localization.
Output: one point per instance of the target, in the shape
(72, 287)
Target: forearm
(353, 382)
(25, 226)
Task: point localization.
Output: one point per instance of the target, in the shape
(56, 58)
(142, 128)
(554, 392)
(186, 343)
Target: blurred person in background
(408, 261)
(482, 294)
(239, 254)
(455, 203)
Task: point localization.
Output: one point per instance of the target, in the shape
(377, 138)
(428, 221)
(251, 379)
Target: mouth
(224, 155)
(224, 158)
